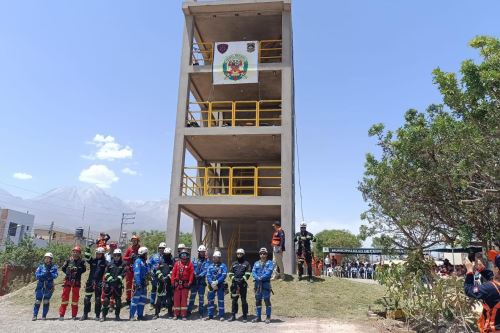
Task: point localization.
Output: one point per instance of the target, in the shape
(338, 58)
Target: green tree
(151, 239)
(437, 179)
(336, 238)
(185, 238)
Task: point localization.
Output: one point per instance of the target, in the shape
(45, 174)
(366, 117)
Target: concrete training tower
(233, 159)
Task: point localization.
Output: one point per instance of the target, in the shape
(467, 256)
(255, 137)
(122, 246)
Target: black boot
(233, 317)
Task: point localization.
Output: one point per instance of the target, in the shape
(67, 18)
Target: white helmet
(217, 254)
(181, 246)
(303, 224)
(48, 254)
(263, 250)
(240, 251)
(100, 250)
(202, 248)
(117, 251)
(162, 244)
(167, 250)
(142, 250)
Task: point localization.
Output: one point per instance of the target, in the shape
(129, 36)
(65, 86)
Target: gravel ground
(15, 318)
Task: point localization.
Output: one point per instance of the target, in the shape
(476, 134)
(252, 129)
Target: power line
(298, 168)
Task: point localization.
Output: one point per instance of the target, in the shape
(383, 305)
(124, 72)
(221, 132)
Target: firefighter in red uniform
(488, 293)
(74, 267)
(182, 278)
(129, 257)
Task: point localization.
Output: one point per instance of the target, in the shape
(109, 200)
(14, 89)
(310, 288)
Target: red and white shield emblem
(222, 48)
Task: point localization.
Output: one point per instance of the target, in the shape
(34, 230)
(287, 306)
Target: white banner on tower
(236, 62)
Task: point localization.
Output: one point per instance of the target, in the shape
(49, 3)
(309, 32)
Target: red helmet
(77, 249)
(113, 245)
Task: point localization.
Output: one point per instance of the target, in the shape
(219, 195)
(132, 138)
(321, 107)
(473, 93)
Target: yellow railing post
(257, 113)
(230, 181)
(256, 182)
(205, 182)
(233, 114)
(209, 114)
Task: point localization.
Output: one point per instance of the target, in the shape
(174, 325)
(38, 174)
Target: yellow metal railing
(234, 113)
(231, 181)
(202, 54)
(269, 51)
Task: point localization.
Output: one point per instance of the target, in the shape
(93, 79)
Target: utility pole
(127, 218)
(51, 229)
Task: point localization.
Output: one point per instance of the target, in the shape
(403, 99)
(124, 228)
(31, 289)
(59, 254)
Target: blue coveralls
(199, 284)
(153, 264)
(45, 276)
(261, 273)
(140, 291)
(216, 272)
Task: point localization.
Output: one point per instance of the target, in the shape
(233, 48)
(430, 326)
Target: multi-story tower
(233, 162)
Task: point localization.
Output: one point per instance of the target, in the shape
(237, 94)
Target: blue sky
(87, 83)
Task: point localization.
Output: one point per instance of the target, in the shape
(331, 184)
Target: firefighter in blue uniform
(239, 273)
(165, 288)
(45, 275)
(153, 263)
(200, 266)
(140, 297)
(216, 275)
(488, 293)
(94, 282)
(261, 273)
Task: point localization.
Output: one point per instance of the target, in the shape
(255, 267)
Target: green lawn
(336, 298)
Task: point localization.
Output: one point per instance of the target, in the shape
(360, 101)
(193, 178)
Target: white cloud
(108, 149)
(99, 175)
(129, 171)
(22, 176)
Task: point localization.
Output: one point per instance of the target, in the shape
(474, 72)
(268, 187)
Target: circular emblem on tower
(235, 67)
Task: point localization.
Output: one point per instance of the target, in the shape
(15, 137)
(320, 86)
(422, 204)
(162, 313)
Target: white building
(14, 226)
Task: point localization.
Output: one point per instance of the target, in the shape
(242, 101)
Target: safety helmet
(202, 248)
(134, 237)
(113, 245)
(303, 224)
(100, 250)
(142, 250)
(180, 246)
(278, 223)
(77, 249)
(48, 254)
(117, 251)
(263, 250)
(240, 251)
(217, 254)
(162, 244)
(167, 250)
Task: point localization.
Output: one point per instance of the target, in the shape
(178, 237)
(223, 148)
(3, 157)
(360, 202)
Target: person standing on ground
(163, 276)
(113, 284)
(261, 272)
(488, 293)
(278, 244)
(140, 297)
(74, 267)
(94, 283)
(182, 278)
(239, 274)
(129, 258)
(304, 239)
(153, 263)
(200, 266)
(45, 275)
(216, 275)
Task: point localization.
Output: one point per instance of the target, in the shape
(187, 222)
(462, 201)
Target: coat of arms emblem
(235, 67)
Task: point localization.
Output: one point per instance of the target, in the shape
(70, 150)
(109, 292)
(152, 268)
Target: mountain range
(72, 207)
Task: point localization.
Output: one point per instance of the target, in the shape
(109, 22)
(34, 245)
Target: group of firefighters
(172, 280)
